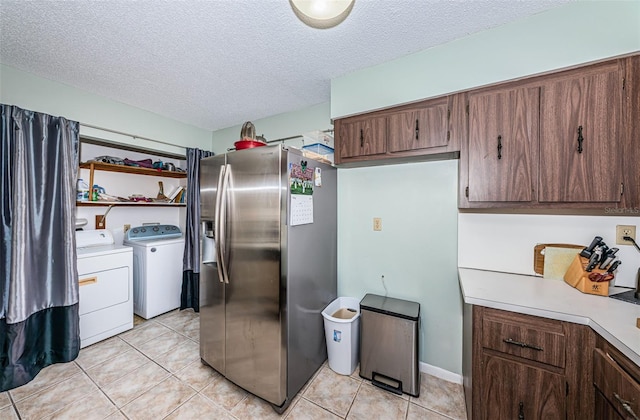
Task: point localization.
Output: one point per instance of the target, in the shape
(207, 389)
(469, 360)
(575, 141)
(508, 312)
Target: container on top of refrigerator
(319, 151)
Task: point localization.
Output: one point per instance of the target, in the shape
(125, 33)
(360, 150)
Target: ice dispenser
(208, 248)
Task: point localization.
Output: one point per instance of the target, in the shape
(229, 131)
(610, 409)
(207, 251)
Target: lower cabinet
(519, 366)
(617, 383)
(515, 390)
(604, 410)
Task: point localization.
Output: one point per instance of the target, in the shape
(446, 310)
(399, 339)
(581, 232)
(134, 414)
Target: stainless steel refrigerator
(268, 267)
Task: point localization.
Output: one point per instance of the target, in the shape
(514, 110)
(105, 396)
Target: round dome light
(322, 14)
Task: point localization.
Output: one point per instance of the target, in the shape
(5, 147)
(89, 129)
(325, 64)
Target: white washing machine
(105, 272)
(157, 268)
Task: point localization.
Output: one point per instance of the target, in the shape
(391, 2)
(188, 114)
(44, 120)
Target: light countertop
(613, 319)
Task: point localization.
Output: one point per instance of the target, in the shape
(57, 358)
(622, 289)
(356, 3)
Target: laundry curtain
(190, 297)
(39, 321)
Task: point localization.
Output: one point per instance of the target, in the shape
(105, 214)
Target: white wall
(415, 251)
(35, 93)
(504, 242)
(134, 216)
(570, 34)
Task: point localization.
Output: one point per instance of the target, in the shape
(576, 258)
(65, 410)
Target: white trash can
(342, 331)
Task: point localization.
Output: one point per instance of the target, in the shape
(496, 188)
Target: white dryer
(157, 268)
(106, 287)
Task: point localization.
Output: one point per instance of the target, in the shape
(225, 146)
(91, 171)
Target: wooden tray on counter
(538, 255)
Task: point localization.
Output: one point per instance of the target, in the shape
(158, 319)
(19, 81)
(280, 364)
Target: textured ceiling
(218, 63)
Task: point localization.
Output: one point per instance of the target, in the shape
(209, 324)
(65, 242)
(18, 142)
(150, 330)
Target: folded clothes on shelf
(144, 163)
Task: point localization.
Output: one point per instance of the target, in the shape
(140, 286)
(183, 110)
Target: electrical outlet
(127, 227)
(377, 223)
(625, 230)
(101, 221)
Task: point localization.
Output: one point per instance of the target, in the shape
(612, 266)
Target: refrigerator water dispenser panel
(208, 243)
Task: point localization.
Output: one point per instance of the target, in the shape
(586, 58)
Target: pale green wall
(38, 94)
(279, 126)
(416, 250)
(567, 35)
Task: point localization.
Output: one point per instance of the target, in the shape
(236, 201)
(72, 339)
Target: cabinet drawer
(618, 387)
(531, 338)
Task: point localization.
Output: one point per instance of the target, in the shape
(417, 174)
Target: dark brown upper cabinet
(420, 128)
(429, 129)
(565, 140)
(503, 138)
(581, 139)
(365, 136)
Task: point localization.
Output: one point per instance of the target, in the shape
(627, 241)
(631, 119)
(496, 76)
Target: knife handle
(594, 243)
(593, 261)
(614, 266)
(589, 250)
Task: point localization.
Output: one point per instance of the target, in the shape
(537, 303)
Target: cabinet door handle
(417, 130)
(521, 411)
(580, 139)
(626, 405)
(521, 344)
(361, 138)
(499, 147)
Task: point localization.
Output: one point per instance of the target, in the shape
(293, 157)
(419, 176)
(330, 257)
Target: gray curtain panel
(191, 261)
(39, 321)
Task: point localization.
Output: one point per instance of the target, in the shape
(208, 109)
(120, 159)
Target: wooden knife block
(577, 277)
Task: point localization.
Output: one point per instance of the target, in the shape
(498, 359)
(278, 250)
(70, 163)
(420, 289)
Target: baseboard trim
(440, 373)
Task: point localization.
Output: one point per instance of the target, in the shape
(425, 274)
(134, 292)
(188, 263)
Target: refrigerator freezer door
(255, 353)
(212, 293)
(212, 333)
(210, 170)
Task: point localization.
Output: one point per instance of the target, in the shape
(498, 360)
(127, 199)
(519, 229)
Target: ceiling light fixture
(322, 14)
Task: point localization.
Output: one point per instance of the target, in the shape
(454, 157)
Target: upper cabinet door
(362, 137)
(581, 138)
(421, 128)
(503, 138)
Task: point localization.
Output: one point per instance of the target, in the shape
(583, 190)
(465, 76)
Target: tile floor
(154, 372)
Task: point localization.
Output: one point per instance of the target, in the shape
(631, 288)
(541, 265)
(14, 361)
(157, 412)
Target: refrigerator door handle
(223, 224)
(217, 223)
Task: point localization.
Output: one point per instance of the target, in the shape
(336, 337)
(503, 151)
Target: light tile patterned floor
(154, 372)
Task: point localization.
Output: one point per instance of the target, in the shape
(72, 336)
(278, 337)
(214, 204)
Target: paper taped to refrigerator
(301, 209)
